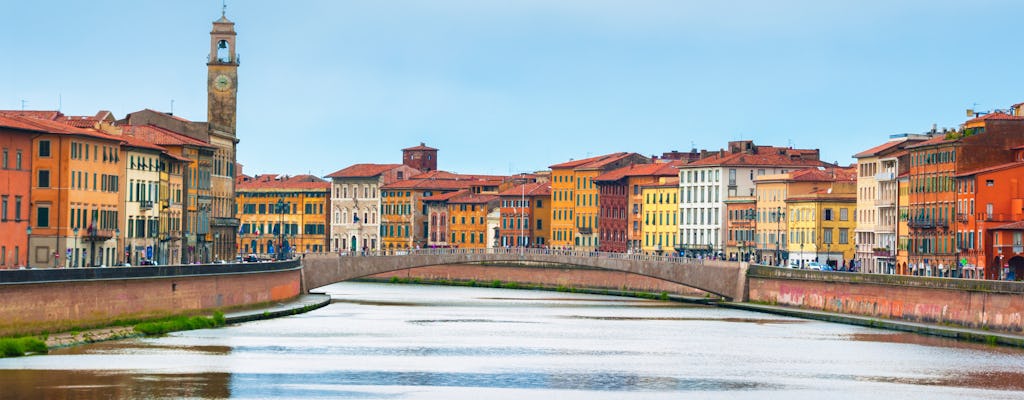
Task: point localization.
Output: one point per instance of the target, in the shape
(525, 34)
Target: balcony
(885, 176)
(883, 252)
(145, 205)
(999, 217)
(962, 217)
(98, 235)
(885, 203)
(229, 222)
(927, 223)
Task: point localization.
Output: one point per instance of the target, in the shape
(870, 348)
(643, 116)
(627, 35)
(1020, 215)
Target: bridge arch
(723, 278)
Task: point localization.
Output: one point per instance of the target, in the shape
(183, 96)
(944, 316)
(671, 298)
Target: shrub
(17, 347)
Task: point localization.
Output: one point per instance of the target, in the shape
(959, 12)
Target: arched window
(223, 52)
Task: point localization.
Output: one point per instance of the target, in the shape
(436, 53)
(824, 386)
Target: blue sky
(518, 85)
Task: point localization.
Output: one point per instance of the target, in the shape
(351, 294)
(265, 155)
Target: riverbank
(298, 305)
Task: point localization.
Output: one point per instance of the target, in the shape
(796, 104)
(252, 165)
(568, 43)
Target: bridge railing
(516, 251)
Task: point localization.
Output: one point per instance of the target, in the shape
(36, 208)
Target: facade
(902, 224)
(575, 199)
(439, 226)
(468, 219)
(660, 208)
(741, 222)
(76, 178)
(980, 143)
(877, 206)
(821, 226)
(525, 215)
(282, 212)
(988, 204)
(16, 171)
(620, 203)
(705, 184)
(221, 114)
(774, 196)
(142, 206)
(356, 204)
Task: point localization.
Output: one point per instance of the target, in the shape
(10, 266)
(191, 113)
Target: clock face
(221, 82)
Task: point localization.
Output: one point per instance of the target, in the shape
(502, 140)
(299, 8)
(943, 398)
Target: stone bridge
(723, 278)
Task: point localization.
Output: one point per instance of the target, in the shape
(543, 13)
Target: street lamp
(117, 246)
(280, 228)
(828, 253)
(28, 239)
(216, 244)
(74, 264)
(778, 234)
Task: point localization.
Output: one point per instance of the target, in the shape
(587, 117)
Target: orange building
(75, 201)
(621, 200)
(575, 198)
(468, 219)
(740, 222)
(16, 176)
(989, 202)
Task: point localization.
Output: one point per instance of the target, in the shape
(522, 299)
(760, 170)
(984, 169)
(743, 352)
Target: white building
(355, 204)
(705, 184)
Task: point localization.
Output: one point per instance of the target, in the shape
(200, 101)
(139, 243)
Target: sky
(511, 86)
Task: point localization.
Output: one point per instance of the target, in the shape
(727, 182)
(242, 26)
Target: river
(434, 342)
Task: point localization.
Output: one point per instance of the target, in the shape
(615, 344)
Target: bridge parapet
(723, 278)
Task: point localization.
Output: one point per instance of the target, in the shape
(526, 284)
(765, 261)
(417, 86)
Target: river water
(433, 342)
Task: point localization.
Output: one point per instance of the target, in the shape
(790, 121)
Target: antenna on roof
(172, 107)
(23, 101)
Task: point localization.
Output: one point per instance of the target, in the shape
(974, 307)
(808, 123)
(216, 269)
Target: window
(43, 216)
(843, 214)
(3, 208)
(44, 148)
(844, 235)
(43, 180)
(5, 159)
(17, 208)
(989, 182)
(828, 214)
(17, 161)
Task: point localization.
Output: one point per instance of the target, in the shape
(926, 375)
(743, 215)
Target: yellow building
(821, 227)
(773, 194)
(659, 225)
(468, 219)
(902, 229)
(574, 198)
(282, 212)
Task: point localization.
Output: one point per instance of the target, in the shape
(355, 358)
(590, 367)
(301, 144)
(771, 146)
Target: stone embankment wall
(36, 301)
(978, 304)
(547, 275)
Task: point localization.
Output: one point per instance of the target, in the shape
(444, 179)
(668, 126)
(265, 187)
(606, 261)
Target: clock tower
(220, 241)
(222, 77)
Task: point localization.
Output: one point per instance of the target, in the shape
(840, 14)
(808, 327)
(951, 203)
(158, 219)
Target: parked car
(814, 265)
(251, 258)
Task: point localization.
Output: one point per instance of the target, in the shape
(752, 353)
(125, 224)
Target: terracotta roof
(931, 142)
(764, 156)
(993, 168)
(38, 114)
(438, 174)
(1013, 226)
(430, 184)
(472, 198)
(996, 116)
(659, 169)
(529, 189)
(444, 196)
(670, 182)
(273, 181)
(165, 137)
(81, 121)
(53, 127)
(824, 175)
(134, 141)
(887, 146)
(592, 162)
(422, 146)
(363, 170)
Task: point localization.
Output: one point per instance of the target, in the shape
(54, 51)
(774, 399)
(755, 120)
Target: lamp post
(74, 264)
(778, 235)
(117, 246)
(216, 244)
(28, 239)
(280, 229)
(828, 253)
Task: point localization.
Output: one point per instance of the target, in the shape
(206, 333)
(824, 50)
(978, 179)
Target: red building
(932, 218)
(740, 220)
(620, 203)
(990, 208)
(420, 157)
(16, 176)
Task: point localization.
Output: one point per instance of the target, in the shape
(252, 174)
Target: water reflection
(412, 342)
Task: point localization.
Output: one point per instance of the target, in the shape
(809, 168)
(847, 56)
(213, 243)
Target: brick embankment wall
(30, 308)
(548, 276)
(993, 305)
